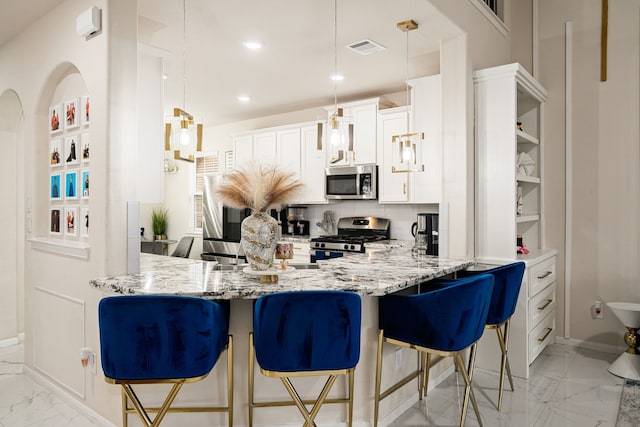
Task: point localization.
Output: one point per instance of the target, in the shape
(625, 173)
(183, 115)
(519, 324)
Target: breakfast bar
(379, 272)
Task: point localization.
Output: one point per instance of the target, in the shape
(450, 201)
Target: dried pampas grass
(259, 188)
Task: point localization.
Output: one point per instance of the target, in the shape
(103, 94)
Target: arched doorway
(11, 223)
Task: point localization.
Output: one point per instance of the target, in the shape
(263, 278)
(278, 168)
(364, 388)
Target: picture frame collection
(69, 156)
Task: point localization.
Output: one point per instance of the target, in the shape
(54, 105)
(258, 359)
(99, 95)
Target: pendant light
(407, 148)
(182, 133)
(340, 130)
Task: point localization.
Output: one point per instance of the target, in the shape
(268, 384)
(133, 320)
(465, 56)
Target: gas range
(353, 233)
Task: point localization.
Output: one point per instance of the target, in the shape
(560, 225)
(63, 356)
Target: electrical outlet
(398, 358)
(597, 312)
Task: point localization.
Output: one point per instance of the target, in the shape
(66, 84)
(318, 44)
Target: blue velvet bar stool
(443, 321)
(153, 339)
(305, 333)
(506, 288)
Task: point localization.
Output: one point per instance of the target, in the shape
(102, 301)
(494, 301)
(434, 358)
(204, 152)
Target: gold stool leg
(503, 340)
(352, 372)
(252, 356)
(426, 374)
(467, 375)
(376, 399)
(230, 379)
(125, 407)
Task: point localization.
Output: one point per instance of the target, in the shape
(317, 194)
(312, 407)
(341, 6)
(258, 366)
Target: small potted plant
(159, 223)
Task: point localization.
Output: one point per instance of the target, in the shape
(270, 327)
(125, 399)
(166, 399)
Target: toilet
(628, 364)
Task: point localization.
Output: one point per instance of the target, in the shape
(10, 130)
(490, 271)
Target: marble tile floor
(568, 386)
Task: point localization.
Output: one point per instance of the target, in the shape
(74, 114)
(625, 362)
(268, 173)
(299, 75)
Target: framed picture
(84, 222)
(84, 143)
(55, 152)
(55, 215)
(70, 221)
(55, 187)
(84, 184)
(55, 125)
(71, 185)
(70, 150)
(85, 105)
(71, 111)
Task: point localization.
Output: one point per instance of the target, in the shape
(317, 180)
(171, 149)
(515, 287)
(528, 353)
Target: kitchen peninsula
(373, 274)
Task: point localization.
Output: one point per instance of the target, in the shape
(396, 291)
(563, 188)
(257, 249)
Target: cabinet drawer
(541, 305)
(542, 335)
(542, 275)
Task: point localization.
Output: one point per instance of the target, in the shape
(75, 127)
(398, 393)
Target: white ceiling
(292, 71)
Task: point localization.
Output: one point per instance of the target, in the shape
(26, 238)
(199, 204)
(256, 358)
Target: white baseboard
(66, 397)
(8, 342)
(607, 348)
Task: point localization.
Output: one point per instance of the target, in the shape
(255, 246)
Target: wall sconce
(182, 135)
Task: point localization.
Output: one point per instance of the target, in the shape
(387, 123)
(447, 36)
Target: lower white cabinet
(301, 253)
(533, 325)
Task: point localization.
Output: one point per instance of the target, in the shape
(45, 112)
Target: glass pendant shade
(340, 136)
(407, 153)
(183, 136)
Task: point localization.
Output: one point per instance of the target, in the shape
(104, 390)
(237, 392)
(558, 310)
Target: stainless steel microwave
(358, 182)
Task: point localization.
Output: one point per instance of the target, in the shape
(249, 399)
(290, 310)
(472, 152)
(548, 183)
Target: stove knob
(346, 247)
(322, 245)
(353, 247)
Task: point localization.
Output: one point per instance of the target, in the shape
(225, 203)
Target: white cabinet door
(312, 166)
(264, 148)
(392, 187)
(288, 150)
(426, 187)
(242, 150)
(364, 119)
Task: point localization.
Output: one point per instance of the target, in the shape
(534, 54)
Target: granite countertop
(376, 273)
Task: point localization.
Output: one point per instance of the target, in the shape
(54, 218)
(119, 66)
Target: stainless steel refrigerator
(220, 226)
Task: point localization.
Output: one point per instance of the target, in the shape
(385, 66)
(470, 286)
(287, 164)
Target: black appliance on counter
(353, 233)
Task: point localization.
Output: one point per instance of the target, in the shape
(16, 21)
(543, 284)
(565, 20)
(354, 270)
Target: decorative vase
(259, 235)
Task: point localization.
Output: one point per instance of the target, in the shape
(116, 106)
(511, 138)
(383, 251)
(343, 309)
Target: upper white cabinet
(313, 162)
(425, 117)
(294, 148)
(363, 115)
(509, 143)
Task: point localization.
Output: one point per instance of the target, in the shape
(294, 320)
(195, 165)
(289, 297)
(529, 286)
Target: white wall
(605, 159)
(11, 283)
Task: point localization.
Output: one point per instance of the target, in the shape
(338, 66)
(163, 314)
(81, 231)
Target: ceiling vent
(366, 47)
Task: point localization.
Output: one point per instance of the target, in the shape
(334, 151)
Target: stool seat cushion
(307, 331)
(448, 318)
(161, 337)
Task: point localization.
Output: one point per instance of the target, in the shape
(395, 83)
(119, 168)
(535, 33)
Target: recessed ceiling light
(337, 77)
(252, 44)
(244, 98)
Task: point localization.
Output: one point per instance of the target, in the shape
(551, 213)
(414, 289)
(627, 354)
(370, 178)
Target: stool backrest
(506, 288)
(151, 337)
(449, 318)
(307, 330)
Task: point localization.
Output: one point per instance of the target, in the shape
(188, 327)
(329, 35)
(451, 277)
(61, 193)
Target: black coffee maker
(425, 231)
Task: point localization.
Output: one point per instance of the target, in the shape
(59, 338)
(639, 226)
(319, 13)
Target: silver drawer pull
(546, 304)
(545, 335)
(547, 274)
